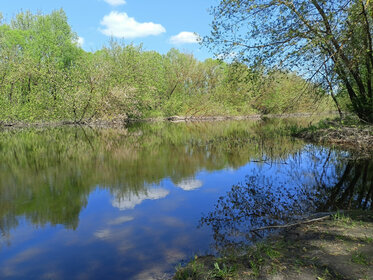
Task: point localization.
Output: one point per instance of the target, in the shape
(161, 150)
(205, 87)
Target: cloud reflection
(103, 234)
(120, 220)
(129, 202)
(190, 184)
(10, 268)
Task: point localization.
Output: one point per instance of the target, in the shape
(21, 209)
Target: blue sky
(159, 25)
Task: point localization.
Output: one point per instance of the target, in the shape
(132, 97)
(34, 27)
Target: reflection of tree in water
(319, 182)
(47, 175)
(354, 189)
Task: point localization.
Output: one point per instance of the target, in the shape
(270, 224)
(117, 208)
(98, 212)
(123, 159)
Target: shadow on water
(315, 180)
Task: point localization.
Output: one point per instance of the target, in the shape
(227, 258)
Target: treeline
(46, 75)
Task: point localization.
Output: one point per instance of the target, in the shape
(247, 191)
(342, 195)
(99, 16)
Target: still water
(132, 203)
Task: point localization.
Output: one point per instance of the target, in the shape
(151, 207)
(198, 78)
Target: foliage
(222, 271)
(194, 271)
(329, 42)
(45, 75)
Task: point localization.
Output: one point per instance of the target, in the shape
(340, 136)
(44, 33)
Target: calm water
(132, 203)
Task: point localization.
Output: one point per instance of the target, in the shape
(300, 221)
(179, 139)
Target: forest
(45, 75)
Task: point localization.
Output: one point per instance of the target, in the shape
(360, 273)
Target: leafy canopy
(324, 40)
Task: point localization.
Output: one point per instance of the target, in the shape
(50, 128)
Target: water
(132, 203)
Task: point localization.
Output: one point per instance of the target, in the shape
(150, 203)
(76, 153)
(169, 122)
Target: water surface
(132, 203)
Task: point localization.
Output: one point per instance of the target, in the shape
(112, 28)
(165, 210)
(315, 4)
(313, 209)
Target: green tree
(318, 38)
(45, 75)
(37, 53)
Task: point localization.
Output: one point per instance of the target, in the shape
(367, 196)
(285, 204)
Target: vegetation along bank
(45, 76)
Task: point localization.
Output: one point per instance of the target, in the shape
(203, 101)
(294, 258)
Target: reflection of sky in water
(131, 200)
(144, 233)
(140, 236)
(190, 184)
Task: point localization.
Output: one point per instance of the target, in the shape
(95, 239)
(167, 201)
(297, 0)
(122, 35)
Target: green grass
(369, 239)
(360, 258)
(192, 272)
(328, 123)
(222, 271)
(343, 219)
(279, 256)
(261, 254)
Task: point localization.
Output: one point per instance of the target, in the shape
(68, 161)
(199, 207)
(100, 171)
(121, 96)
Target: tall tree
(318, 38)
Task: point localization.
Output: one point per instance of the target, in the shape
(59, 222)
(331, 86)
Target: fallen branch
(293, 224)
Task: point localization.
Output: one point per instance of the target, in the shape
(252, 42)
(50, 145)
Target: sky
(158, 25)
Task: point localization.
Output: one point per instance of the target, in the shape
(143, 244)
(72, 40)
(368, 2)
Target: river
(134, 202)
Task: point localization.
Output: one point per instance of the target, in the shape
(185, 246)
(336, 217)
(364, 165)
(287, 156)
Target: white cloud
(80, 41)
(120, 25)
(115, 2)
(185, 38)
(190, 184)
(130, 202)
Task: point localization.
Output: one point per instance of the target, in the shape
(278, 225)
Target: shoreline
(351, 136)
(173, 119)
(338, 247)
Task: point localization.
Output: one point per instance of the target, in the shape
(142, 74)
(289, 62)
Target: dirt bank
(339, 247)
(350, 136)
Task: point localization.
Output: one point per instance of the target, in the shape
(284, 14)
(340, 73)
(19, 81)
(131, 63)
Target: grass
(328, 123)
(360, 258)
(223, 271)
(226, 267)
(192, 272)
(295, 130)
(340, 217)
(326, 275)
(368, 239)
(349, 133)
(315, 252)
(196, 270)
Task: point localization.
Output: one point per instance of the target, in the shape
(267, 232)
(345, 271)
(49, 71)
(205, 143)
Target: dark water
(131, 203)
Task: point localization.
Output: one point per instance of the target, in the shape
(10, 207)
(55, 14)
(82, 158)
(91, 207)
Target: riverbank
(348, 134)
(125, 121)
(337, 247)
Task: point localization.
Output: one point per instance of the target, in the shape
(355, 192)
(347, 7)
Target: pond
(134, 202)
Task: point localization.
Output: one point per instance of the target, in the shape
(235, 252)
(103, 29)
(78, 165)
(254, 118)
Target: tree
(320, 39)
